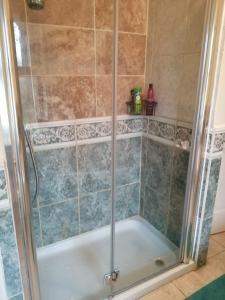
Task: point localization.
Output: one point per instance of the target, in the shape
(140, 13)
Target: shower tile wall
(70, 57)
(163, 184)
(174, 55)
(69, 204)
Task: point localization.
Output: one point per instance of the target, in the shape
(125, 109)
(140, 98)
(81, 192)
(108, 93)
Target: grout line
(219, 243)
(95, 62)
(28, 46)
(61, 26)
(178, 288)
(146, 44)
(78, 186)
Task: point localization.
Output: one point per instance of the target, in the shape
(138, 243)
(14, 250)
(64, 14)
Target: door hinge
(111, 277)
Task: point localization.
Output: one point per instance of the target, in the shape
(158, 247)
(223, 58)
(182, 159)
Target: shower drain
(159, 262)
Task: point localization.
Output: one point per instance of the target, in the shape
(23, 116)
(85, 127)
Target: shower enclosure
(106, 194)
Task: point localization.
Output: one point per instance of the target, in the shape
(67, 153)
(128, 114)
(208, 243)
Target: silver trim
(114, 133)
(13, 137)
(199, 137)
(11, 117)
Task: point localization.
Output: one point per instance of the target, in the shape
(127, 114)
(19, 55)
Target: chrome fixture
(36, 4)
(111, 277)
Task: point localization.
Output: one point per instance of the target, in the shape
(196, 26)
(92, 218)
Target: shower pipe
(27, 137)
(14, 141)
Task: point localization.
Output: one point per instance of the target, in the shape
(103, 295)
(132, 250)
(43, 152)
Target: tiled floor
(186, 285)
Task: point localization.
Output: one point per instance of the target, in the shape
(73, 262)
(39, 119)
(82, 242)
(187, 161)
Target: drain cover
(159, 262)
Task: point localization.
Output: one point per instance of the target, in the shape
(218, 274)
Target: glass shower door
(155, 48)
(64, 62)
(110, 180)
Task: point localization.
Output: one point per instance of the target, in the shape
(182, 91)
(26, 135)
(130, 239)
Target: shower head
(35, 4)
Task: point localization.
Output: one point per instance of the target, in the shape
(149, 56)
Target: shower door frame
(14, 142)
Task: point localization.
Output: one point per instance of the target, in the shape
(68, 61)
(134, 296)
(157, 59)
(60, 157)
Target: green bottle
(137, 100)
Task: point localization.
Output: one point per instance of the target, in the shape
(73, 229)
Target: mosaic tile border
(90, 129)
(216, 142)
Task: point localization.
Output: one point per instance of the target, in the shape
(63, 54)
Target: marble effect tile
(64, 98)
(17, 297)
(3, 188)
(9, 254)
(128, 154)
(131, 54)
(57, 175)
(94, 210)
(59, 50)
(59, 221)
(94, 164)
(133, 16)
(159, 160)
(155, 209)
(104, 14)
(79, 13)
(127, 201)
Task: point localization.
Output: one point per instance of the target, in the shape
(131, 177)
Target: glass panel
(64, 61)
(159, 45)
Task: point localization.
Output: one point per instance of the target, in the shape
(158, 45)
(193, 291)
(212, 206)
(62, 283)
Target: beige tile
(195, 26)
(188, 87)
(125, 84)
(214, 268)
(104, 52)
(22, 53)
(29, 113)
(67, 12)
(189, 283)
(133, 15)
(219, 238)
(167, 79)
(214, 248)
(18, 10)
(170, 27)
(62, 98)
(167, 292)
(104, 14)
(56, 50)
(104, 96)
(131, 54)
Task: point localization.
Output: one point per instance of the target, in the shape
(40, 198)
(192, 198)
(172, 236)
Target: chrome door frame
(13, 137)
(15, 151)
(204, 110)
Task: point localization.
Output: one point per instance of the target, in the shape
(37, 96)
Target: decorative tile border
(53, 135)
(216, 141)
(91, 129)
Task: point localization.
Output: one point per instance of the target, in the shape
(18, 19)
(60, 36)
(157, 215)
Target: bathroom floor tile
(219, 238)
(189, 283)
(214, 247)
(168, 292)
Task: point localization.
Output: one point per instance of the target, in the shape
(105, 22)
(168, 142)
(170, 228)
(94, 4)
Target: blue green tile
(155, 209)
(94, 164)
(95, 210)
(17, 297)
(57, 175)
(9, 254)
(3, 190)
(127, 201)
(128, 157)
(59, 221)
